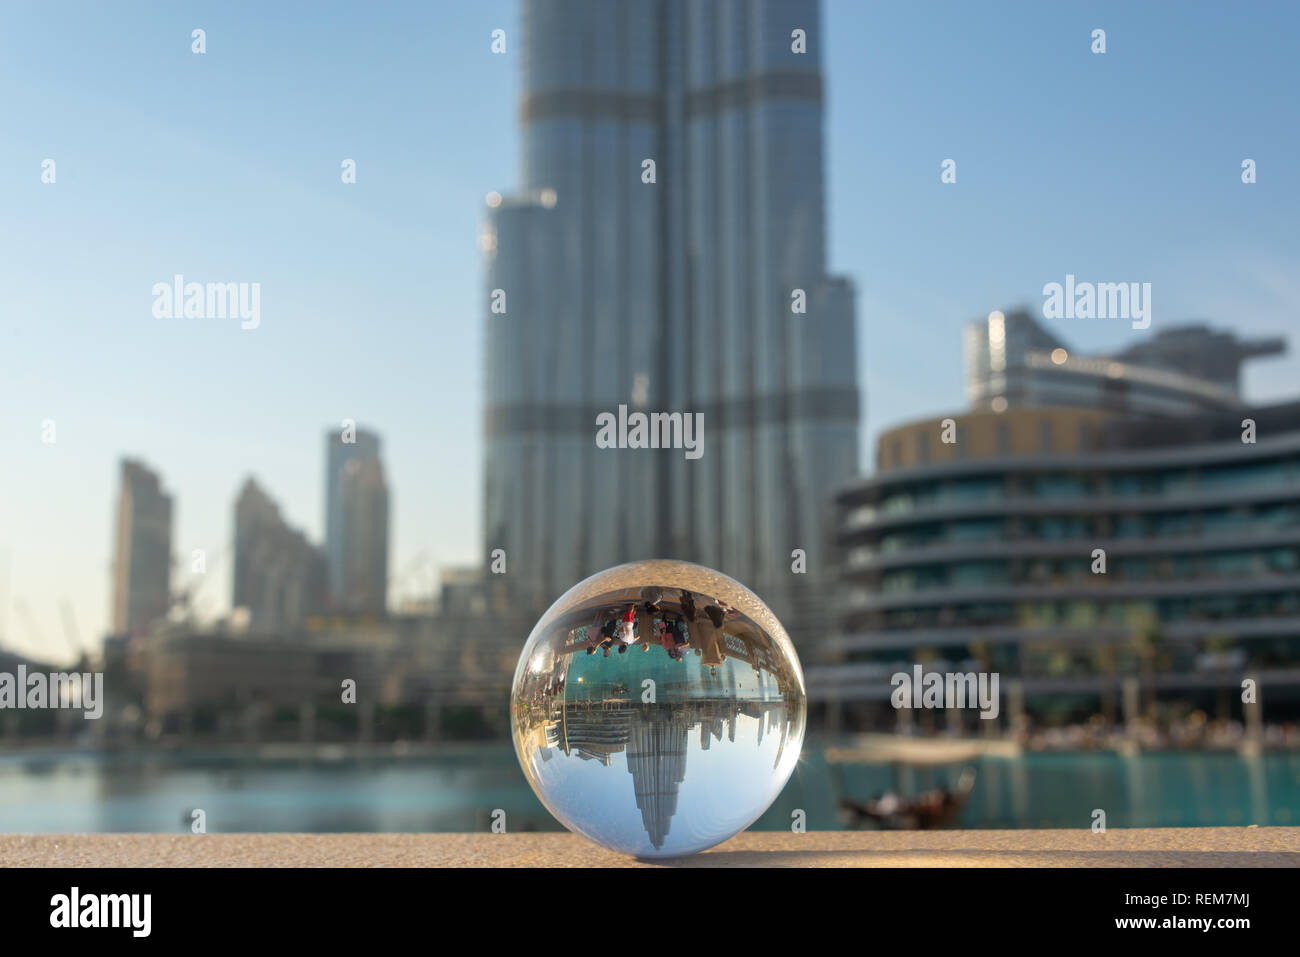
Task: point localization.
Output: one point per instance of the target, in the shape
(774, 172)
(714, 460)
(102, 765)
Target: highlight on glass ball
(658, 708)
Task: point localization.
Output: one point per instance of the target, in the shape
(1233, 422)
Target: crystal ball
(658, 708)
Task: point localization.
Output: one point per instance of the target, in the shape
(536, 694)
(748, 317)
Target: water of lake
(460, 787)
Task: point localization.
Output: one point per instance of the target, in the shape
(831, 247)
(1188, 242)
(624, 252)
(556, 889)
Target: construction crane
(183, 598)
(71, 634)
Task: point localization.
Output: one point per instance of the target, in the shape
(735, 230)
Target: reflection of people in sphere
(708, 636)
(605, 628)
(716, 614)
(683, 636)
(673, 636)
(663, 635)
(652, 596)
(627, 629)
(645, 624)
(688, 605)
(593, 631)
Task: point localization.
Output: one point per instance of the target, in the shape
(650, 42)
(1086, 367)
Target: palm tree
(1148, 642)
(1104, 663)
(1219, 643)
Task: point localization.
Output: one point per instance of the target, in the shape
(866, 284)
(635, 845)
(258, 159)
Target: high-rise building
(142, 557)
(279, 576)
(356, 530)
(364, 494)
(666, 253)
(1078, 545)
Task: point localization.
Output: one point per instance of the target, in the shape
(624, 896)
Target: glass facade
(673, 295)
(998, 561)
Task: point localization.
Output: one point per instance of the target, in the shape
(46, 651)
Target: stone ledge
(1136, 847)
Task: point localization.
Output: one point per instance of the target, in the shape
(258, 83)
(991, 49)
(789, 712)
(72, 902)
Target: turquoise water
(459, 789)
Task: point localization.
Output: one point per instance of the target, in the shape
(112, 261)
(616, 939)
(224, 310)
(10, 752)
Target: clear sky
(1123, 166)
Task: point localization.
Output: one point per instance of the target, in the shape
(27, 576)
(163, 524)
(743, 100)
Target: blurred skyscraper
(142, 553)
(356, 522)
(668, 296)
(279, 575)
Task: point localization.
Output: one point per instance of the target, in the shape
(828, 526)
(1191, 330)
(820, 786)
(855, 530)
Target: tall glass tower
(668, 288)
(142, 550)
(356, 522)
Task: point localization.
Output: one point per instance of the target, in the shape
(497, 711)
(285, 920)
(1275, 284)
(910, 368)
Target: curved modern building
(671, 212)
(1073, 548)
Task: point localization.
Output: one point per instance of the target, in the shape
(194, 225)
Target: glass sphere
(658, 708)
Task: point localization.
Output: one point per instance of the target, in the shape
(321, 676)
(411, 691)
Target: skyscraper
(365, 536)
(279, 575)
(356, 521)
(142, 557)
(666, 252)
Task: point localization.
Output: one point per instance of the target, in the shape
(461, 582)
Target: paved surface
(1147, 847)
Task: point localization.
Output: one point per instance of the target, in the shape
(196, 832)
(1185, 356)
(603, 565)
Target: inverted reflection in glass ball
(658, 708)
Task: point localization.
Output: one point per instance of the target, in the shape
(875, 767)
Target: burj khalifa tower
(665, 251)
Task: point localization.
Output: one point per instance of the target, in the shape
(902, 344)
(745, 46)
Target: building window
(1045, 435)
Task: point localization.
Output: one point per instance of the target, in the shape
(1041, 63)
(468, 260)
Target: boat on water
(935, 807)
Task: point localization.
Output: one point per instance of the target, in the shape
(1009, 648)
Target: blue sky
(1116, 167)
